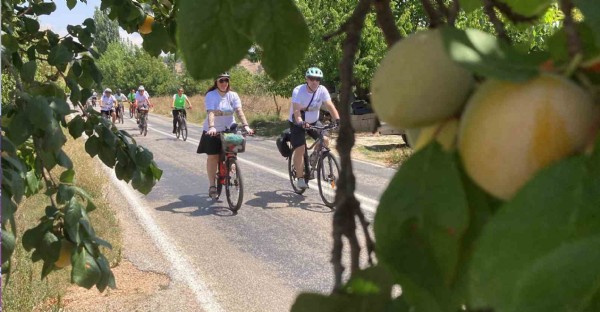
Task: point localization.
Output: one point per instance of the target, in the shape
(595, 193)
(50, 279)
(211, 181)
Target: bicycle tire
(292, 174)
(184, 131)
(328, 173)
(178, 128)
(234, 184)
(218, 185)
(130, 112)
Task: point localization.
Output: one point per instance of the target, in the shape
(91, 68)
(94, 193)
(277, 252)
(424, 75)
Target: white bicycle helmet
(223, 75)
(141, 88)
(107, 90)
(314, 72)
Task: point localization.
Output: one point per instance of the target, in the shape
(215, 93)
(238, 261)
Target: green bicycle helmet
(314, 72)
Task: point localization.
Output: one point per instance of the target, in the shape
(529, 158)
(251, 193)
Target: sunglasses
(314, 78)
(223, 80)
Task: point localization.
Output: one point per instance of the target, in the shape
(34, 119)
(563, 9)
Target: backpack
(283, 143)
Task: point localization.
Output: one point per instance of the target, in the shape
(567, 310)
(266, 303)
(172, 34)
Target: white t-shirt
(107, 102)
(225, 105)
(301, 96)
(142, 99)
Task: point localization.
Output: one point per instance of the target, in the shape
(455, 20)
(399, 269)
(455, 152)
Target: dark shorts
(210, 145)
(107, 112)
(298, 134)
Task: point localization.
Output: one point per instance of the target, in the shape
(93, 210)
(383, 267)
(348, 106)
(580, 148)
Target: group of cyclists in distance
(222, 103)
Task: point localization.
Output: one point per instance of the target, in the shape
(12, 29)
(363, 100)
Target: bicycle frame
(309, 169)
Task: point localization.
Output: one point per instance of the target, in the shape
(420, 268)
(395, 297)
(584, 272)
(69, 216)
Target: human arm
(188, 101)
(333, 111)
(173, 104)
(244, 121)
(298, 115)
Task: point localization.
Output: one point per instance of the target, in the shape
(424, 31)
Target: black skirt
(210, 145)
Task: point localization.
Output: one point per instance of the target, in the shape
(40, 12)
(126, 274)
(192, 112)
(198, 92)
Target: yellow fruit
(509, 131)
(417, 84)
(64, 259)
(146, 27)
(444, 132)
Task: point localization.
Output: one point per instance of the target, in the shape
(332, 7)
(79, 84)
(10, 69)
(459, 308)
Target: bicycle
(119, 112)
(181, 126)
(228, 172)
(131, 110)
(143, 122)
(324, 163)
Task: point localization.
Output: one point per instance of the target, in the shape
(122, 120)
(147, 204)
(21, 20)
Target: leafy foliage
(107, 31)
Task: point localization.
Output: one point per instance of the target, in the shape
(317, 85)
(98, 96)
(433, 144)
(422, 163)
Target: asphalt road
(279, 243)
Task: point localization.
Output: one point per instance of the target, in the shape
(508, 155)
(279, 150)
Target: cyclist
(131, 98)
(307, 100)
(221, 103)
(121, 98)
(107, 104)
(178, 106)
(142, 102)
(94, 97)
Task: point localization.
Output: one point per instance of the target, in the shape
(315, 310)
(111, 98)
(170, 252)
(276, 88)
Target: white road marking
(182, 267)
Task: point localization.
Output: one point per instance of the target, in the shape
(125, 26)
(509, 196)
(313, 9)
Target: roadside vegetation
(26, 291)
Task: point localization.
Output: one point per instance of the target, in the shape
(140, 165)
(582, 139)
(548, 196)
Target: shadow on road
(285, 199)
(199, 205)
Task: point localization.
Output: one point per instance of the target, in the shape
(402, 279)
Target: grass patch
(26, 291)
(269, 126)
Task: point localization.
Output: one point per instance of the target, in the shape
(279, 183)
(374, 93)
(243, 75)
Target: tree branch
(434, 18)
(573, 39)
(385, 20)
(508, 12)
(453, 12)
(344, 222)
(442, 8)
(488, 8)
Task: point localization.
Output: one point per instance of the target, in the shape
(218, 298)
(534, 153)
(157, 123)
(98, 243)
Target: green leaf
(529, 7)
(90, 24)
(43, 8)
(142, 182)
(9, 43)
(591, 12)
(86, 272)
(306, 302)
(107, 154)
(8, 246)
(59, 55)
(488, 56)
(32, 26)
(72, 216)
(107, 278)
(28, 71)
(566, 279)
(33, 183)
(158, 40)
(208, 52)
(60, 107)
(280, 30)
(71, 4)
(156, 172)
(143, 158)
(63, 159)
(18, 130)
(68, 176)
(65, 193)
(558, 44)
(547, 219)
(419, 226)
(49, 247)
(76, 126)
(92, 145)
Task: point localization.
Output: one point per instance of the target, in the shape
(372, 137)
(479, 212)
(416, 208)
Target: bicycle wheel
(178, 127)
(142, 121)
(218, 185)
(145, 125)
(292, 174)
(327, 178)
(130, 112)
(234, 187)
(121, 112)
(183, 129)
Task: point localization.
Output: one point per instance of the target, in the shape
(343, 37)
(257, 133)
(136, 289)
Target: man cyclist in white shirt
(107, 104)
(307, 100)
(142, 101)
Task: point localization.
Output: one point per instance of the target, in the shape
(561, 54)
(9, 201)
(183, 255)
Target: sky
(59, 19)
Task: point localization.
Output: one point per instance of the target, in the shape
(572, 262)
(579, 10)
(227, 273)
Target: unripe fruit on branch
(444, 132)
(417, 84)
(146, 27)
(64, 258)
(509, 131)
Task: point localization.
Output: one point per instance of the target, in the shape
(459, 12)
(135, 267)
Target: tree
(107, 31)
(444, 232)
